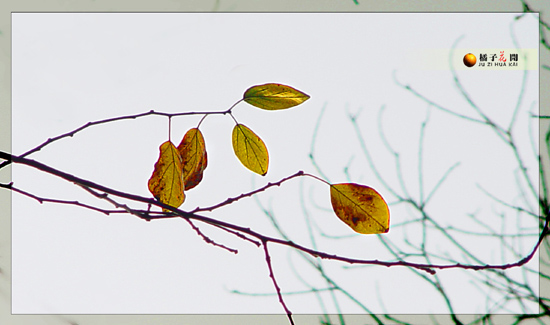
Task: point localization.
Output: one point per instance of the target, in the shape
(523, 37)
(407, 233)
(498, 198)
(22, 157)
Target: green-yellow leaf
(166, 183)
(274, 96)
(360, 207)
(250, 149)
(193, 154)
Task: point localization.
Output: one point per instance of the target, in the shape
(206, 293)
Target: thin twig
(417, 94)
(272, 276)
(208, 240)
(42, 200)
(249, 194)
(119, 118)
(313, 141)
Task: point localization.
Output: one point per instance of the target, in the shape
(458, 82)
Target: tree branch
(272, 276)
(429, 268)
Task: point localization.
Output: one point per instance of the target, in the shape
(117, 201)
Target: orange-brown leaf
(166, 183)
(193, 154)
(360, 207)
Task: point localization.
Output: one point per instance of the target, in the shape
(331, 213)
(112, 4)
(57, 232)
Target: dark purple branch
(233, 199)
(272, 276)
(126, 117)
(208, 240)
(42, 200)
(429, 268)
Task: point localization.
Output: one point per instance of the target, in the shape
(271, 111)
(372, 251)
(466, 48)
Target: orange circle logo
(469, 60)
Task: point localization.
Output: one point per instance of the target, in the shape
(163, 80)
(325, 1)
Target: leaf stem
(231, 108)
(202, 119)
(169, 128)
(233, 118)
(318, 178)
(228, 111)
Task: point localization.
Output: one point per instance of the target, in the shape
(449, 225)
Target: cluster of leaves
(181, 168)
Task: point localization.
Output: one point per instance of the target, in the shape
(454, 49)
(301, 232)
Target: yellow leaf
(250, 149)
(360, 207)
(274, 96)
(166, 183)
(193, 155)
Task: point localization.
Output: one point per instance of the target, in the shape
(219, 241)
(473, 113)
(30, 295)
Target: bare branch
(208, 240)
(42, 200)
(272, 276)
(114, 119)
(177, 213)
(249, 194)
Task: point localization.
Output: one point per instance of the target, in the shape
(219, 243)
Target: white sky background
(69, 69)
